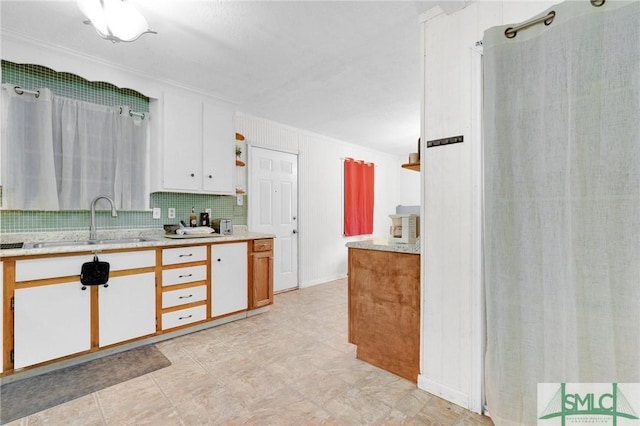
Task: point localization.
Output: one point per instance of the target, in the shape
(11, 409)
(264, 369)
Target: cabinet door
(261, 279)
(228, 278)
(182, 158)
(218, 150)
(127, 308)
(50, 322)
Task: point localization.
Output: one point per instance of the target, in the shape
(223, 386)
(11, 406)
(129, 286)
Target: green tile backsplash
(221, 206)
(72, 86)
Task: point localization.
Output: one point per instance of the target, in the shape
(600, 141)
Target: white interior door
(273, 208)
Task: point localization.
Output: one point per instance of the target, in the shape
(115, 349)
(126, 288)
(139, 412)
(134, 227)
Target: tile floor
(289, 366)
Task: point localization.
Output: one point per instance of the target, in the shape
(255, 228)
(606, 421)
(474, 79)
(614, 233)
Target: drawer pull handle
(181, 318)
(185, 276)
(185, 297)
(186, 255)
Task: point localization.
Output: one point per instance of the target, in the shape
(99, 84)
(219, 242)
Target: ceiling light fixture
(115, 20)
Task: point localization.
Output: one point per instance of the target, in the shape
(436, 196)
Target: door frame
(250, 147)
(477, 327)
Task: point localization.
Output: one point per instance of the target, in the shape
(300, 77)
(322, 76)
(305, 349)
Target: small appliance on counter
(222, 226)
(404, 228)
(204, 219)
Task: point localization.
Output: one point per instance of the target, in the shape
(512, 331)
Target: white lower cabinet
(50, 321)
(228, 278)
(127, 308)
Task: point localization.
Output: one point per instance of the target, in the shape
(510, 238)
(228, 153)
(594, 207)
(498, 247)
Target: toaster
(222, 226)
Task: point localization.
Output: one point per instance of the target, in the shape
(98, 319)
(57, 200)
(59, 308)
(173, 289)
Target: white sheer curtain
(562, 204)
(61, 153)
(28, 173)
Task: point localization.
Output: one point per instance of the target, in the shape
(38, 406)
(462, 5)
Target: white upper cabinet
(197, 153)
(218, 149)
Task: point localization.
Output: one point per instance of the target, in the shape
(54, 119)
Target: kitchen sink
(48, 244)
(123, 241)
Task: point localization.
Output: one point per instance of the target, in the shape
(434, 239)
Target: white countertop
(384, 245)
(153, 238)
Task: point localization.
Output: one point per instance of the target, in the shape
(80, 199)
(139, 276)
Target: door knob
(295, 232)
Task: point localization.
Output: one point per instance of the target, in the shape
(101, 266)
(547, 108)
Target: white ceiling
(345, 69)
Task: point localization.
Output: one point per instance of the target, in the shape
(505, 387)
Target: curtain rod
(511, 32)
(137, 114)
(19, 90)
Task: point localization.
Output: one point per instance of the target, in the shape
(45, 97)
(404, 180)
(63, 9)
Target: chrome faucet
(92, 226)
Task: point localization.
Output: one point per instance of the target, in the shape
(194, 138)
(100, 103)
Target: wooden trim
(182, 286)
(184, 265)
(209, 282)
(250, 287)
(9, 274)
(158, 290)
(185, 306)
(180, 327)
(95, 316)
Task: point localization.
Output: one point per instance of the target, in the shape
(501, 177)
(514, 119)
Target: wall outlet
(208, 211)
(157, 212)
(239, 200)
(171, 213)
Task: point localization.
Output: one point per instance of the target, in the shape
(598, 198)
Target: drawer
(183, 296)
(184, 275)
(65, 266)
(184, 317)
(263, 245)
(184, 255)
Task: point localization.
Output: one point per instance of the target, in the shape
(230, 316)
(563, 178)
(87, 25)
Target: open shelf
(412, 166)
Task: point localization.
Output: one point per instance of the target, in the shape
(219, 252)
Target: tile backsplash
(221, 206)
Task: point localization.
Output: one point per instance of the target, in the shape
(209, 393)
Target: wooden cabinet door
(228, 278)
(51, 321)
(126, 308)
(182, 155)
(218, 150)
(261, 279)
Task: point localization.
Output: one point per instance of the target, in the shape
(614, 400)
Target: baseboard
(444, 392)
(323, 280)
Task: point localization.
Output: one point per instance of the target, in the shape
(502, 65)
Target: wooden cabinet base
(384, 310)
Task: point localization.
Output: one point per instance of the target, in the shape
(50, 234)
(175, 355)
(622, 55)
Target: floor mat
(24, 397)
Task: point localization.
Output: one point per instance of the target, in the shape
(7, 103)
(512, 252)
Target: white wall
(450, 366)
(323, 255)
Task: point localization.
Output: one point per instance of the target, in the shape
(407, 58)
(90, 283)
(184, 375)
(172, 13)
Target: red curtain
(358, 197)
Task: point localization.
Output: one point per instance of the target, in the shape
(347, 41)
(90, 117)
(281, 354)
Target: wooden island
(384, 305)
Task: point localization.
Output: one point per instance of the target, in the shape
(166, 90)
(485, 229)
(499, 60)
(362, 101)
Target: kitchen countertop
(384, 245)
(154, 238)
